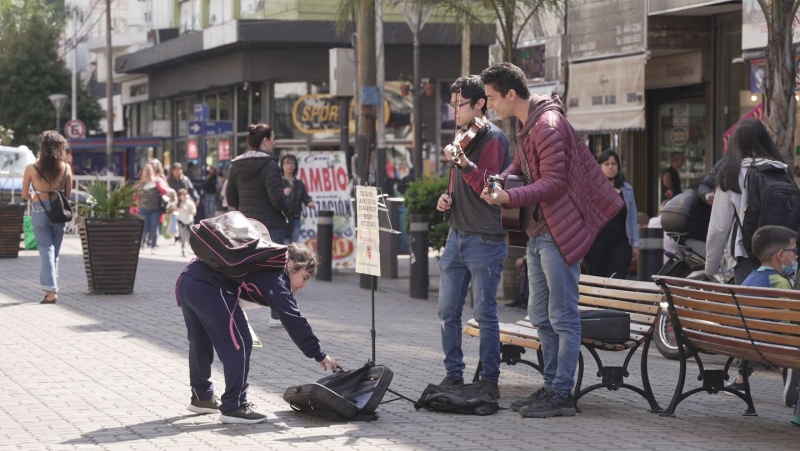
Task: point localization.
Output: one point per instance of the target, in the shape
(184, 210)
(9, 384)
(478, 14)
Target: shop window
(224, 107)
(255, 110)
(242, 107)
(682, 129)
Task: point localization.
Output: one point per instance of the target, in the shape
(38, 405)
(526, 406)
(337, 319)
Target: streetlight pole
(58, 101)
(109, 94)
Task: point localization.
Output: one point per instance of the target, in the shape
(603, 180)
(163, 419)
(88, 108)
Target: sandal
(48, 301)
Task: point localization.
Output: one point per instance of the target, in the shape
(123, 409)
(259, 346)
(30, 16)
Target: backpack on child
(236, 246)
(773, 198)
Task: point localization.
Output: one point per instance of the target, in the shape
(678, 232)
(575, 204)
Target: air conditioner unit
(342, 72)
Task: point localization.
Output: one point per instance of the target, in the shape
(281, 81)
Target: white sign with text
(368, 255)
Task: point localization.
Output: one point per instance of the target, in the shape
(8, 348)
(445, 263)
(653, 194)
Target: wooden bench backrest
(757, 324)
(640, 299)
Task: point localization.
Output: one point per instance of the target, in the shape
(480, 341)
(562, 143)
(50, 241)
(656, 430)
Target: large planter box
(10, 229)
(111, 253)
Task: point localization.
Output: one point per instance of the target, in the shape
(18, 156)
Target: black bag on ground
(607, 325)
(344, 395)
(773, 198)
(235, 246)
(468, 399)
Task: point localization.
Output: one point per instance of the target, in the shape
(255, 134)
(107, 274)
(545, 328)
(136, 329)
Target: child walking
(184, 213)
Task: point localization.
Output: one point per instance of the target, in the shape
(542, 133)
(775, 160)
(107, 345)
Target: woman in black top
(297, 194)
(210, 196)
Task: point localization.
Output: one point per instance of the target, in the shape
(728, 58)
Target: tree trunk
(466, 41)
(780, 106)
(366, 76)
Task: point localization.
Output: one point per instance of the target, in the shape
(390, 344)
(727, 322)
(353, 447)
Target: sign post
(75, 129)
(205, 128)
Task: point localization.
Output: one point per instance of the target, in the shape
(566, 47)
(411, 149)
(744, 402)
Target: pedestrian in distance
(475, 246)
(255, 187)
(149, 190)
(215, 321)
(177, 180)
(617, 244)
(671, 178)
(184, 213)
(297, 194)
(49, 173)
(567, 201)
(210, 193)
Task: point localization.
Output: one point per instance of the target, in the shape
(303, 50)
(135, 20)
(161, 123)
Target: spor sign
(320, 113)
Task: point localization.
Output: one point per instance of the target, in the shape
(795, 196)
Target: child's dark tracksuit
(208, 301)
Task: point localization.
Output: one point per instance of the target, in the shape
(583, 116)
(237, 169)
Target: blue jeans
(210, 205)
(553, 308)
(48, 238)
(277, 234)
(470, 257)
(293, 231)
(150, 230)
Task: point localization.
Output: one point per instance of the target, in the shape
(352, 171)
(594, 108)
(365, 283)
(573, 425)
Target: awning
(543, 90)
(607, 95)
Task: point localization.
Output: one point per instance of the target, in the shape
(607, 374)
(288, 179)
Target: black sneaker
(738, 386)
(534, 398)
(450, 380)
(243, 414)
(491, 388)
(554, 405)
(206, 406)
(791, 382)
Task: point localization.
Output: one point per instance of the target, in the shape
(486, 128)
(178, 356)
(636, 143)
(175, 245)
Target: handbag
(60, 211)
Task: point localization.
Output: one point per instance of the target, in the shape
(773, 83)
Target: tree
(30, 70)
(780, 107)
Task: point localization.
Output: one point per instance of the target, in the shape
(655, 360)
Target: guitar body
(513, 219)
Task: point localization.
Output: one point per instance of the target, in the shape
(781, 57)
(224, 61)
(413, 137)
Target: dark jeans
(609, 258)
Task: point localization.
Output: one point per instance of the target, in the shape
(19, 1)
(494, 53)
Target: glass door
(682, 130)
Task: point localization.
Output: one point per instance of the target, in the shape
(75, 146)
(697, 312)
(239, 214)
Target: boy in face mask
(776, 249)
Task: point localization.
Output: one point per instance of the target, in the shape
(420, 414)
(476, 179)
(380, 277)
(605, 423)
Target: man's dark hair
(770, 239)
(471, 88)
(505, 76)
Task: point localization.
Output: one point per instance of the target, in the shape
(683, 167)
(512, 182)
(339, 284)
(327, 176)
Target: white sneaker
(153, 251)
(274, 323)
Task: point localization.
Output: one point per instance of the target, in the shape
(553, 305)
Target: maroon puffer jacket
(575, 197)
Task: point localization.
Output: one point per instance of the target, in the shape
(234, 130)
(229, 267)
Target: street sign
(211, 128)
(75, 129)
(197, 127)
(219, 128)
(201, 111)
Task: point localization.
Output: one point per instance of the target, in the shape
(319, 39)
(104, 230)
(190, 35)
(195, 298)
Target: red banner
(757, 112)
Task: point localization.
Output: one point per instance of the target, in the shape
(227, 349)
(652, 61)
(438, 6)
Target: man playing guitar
(476, 246)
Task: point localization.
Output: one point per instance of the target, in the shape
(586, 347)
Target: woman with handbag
(48, 183)
(152, 197)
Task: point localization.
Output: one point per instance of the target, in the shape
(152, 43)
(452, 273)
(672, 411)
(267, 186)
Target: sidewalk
(110, 372)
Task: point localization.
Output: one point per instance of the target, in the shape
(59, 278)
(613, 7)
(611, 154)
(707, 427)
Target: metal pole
(58, 120)
(419, 278)
(74, 68)
(417, 156)
(109, 94)
(325, 244)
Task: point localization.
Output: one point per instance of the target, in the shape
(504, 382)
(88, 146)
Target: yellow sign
(319, 113)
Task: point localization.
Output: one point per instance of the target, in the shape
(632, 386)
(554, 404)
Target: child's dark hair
(303, 257)
(471, 88)
(770, 239)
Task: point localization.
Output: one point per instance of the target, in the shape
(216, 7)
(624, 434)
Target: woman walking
(51, 172)
(297, 194)
(150, 188)
(184, 214)
(618, 243)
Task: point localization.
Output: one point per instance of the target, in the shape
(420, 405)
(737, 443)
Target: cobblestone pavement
(110, 372)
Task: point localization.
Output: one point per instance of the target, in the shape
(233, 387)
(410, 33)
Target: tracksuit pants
(207, 311)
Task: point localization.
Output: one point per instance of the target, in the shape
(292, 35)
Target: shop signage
(674, 70)
(320, 113)
(135, 91)
(671, 6)
(602, 28)
(607, 94)
(758, 76)
(325, 177)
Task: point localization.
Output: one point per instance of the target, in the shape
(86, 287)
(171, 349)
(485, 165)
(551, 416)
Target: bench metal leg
(713, 383)
(512, 355)
(613, 377)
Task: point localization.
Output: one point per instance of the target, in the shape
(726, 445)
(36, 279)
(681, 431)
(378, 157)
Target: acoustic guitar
(513, 219)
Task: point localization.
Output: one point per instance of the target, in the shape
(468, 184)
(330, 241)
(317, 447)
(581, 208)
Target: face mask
(790, 269)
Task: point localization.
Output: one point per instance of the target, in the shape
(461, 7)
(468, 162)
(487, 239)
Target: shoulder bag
(60, 211)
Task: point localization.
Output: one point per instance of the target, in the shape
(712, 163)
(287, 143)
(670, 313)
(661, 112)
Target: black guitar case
(344, 395)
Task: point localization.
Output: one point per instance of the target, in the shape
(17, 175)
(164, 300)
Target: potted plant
(404, 86)
(10, 228)
(13, 161)
(428, 87)
(421, 198)
(110, 237)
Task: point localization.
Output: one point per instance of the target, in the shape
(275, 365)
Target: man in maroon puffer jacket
(568, 201)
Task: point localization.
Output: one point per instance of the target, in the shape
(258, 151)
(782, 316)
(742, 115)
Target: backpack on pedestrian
(773, 198)
(469, 399)
(236, 246)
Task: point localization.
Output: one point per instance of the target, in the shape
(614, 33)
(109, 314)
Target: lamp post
(58, 101)
(416, 13)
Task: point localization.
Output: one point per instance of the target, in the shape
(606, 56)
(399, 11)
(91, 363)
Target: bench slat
(740, 332)
(675, 283)
(625, 284)
(625, 306)
(765, 348)
(635, 296)
(730, 308)
(744, 299)
(508, 339)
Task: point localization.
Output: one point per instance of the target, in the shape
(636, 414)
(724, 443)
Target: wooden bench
(640, 299)
(756, 324)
